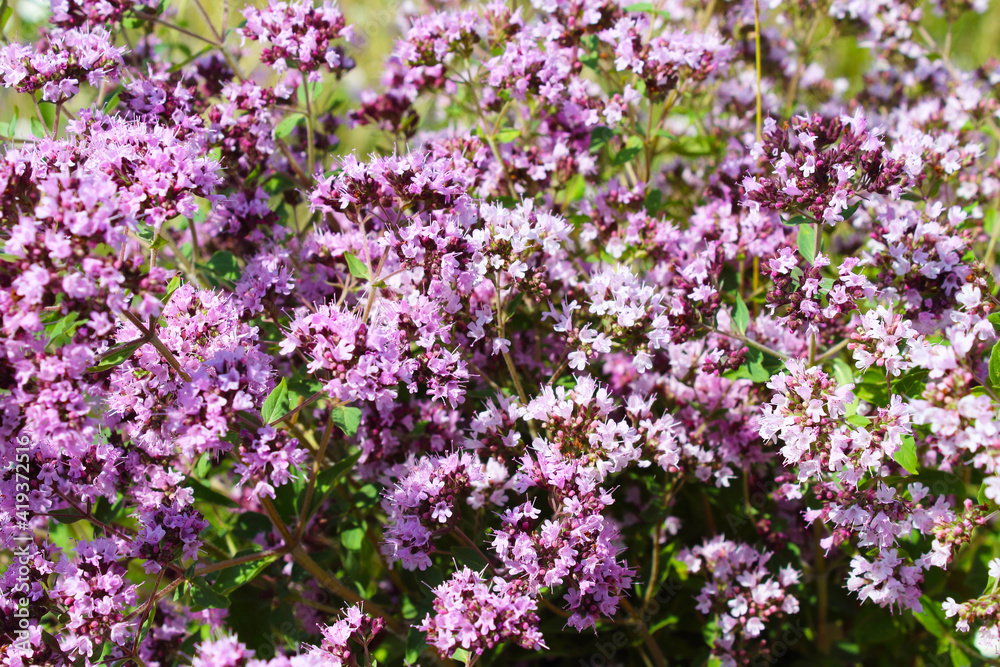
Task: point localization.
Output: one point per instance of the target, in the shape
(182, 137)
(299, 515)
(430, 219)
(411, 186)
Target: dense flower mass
(488, 332)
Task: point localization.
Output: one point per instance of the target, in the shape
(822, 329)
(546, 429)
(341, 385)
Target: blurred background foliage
(378, 22)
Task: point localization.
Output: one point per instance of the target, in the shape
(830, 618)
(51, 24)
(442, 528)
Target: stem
(709, 517)
(832, 351)
(118, 348)
(651, 644)
(706, 16)
(308, 401)
(655, 569)
(756, 37)
(155, 342)
(145, 613)
(320, 456)
(55, 121)
(472, 545)
(208, 20)
(751, 343)
(239, 560)
(189, 267)
(194, 242)
(311, 147)
(3, 10)
(822, 597)
(990, 259)
(800, 66)
(326, 579)
(478, 371)
(558, 371)
(207, 569)
(174, 26)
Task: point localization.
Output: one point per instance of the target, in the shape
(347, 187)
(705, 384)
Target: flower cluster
(821, 166)
(743, 595)
(477, 614)
(299, 36)
(61, 62)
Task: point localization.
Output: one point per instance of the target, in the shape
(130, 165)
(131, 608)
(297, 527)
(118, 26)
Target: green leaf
(912, 384)
(112, 102)
(352, 538)
(875, 392)
(348, 419)
(288, 125)
(204, 493)
(958, 657)
(843, 371)
(233, 577)
(983, 500)
(741, 315)
(942, 483)
(106, 512)
(469, 556)
(8, 11)
(859, 420)
(61, 331)
(850, 211)
(146, 233)
(416, 642)
(37, 128)
(67, 515)
(807, 242)
(203, 597)
(796, 220)
(576, 188)
(275, 405)
(12, 126)
(995, 365)
(356, 267)
(367, 496)
(906, 456)
(628, 153)
(461, 655)
(172, 286)
(223, 264)
(599, 136)
(158, 242)
(933, 622)
(251, 524)
(511, 306)
(326, 480)
(647, 7)
(654, 202)
(115, 358)
(508, 135)
(693, 146)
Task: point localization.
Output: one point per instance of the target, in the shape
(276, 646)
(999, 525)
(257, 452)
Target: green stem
(308, 401)
(756, 37)
(323, 577)
(311, 147)
(317, 461)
